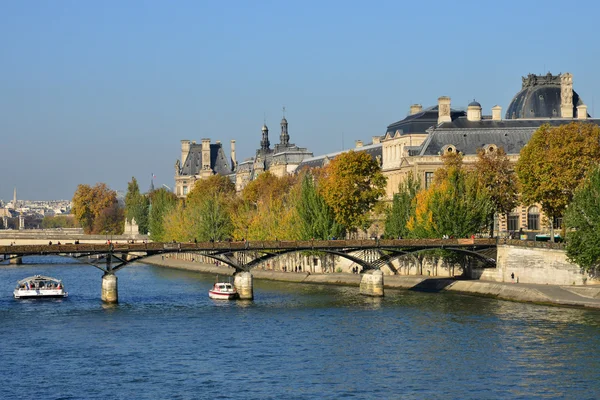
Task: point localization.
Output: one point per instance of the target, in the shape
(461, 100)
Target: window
(513, 221)
(185, 190)
(558, 222)
(533, 218)
(428, 179)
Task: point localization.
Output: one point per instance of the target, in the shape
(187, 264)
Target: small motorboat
(223, 291)
(39, 286)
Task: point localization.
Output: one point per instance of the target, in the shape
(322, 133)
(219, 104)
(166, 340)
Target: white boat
(39, 286)
(223, 291)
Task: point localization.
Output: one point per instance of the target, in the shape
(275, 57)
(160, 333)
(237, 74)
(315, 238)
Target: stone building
(281, 160)
(410, 145)
(199, 161)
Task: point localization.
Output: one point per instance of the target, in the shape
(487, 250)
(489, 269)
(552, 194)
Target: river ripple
(167, 340)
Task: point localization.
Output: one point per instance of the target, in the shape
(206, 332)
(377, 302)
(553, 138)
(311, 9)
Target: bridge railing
(155, 247)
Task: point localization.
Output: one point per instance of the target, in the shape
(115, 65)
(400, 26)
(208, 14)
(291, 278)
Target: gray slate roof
(218, 160)
(420, 122)
(373, 150)
(468, 136)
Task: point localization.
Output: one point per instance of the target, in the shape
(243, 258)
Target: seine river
(167, 340)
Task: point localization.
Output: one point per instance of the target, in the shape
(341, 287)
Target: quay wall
(536, 265)
(67, 235)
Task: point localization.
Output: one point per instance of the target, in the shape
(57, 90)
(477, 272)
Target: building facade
(417, 148)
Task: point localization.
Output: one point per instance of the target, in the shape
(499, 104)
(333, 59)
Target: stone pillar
(185, 150)
(110, 291)
(206, 154)
(566, 95)
(16, 260)
(233, 158)
(243, 283)
(582, 112)
(371, 284)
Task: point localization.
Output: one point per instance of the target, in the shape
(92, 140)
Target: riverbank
(572, 296)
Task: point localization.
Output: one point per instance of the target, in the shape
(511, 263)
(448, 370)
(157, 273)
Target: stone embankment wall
(536, 265)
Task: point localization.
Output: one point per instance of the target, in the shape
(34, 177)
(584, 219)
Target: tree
(214, 186)
(316, 218)
(110, 220)
(136, 206)
(455, 206)
(499, 181)
(58, 221)
(351, 185)
(90, 202)
(553, 164)
(403, 207)
(161, 202)
(582, 218)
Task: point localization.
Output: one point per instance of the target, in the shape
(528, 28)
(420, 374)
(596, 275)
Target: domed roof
(283, 120)
(264, 128)
(474, 104)
(539, 98)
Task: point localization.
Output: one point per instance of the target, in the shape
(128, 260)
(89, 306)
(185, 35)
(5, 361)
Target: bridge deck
(156, 247)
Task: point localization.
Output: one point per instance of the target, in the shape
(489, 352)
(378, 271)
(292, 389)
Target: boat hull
(222, 296)
(39, 294)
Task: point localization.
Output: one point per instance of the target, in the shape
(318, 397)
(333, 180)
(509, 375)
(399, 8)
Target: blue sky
(103, 91)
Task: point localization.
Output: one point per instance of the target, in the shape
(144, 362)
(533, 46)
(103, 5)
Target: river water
(167, 340)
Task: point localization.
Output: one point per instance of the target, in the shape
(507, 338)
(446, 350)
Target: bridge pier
(16, 260)
(243, 283)
(371, 284)
(110, 292)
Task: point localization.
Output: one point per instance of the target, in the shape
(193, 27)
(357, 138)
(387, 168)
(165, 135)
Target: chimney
(185, 150)
(376, 139)
(415, 109)
(359, 143)
(496, 113)
(582, 112)
(205, 153)
(233, 160)
(444, 109)
(566, 95)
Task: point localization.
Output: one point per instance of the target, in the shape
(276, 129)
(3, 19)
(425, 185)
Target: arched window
(533, 218)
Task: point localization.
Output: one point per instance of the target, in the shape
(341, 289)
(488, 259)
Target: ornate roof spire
(284, 137)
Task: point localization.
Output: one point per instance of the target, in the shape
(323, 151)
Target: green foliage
(554, 162)
(137, 206)
(110, 220)
(161, 202)
(316, 218)
(403, 207)
(582, 219)
(352, 184)
(213, 220)
(59, 221)
(89, 203)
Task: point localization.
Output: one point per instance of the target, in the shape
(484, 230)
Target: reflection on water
(167, 339)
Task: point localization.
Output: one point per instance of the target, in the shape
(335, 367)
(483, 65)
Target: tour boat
(39, 286)
(223, 291)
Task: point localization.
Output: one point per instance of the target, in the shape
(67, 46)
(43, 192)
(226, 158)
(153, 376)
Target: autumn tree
(266, 210)
(553, 164)
(498, 179)
(214, 186)
(582, 219)
(455, 206)
(89, 203)
(137, 206)
(161, 202)
(316, 218)
(403, 207)
(352, 183)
